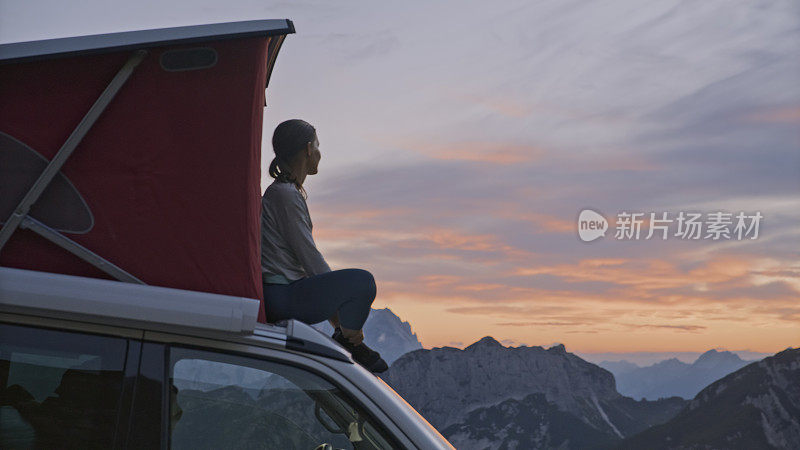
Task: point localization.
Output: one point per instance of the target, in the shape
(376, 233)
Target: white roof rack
(65, 296)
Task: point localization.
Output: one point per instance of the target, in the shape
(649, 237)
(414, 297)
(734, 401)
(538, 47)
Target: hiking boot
(367, 357)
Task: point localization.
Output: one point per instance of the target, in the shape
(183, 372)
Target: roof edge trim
(66, 296)
(134, 40)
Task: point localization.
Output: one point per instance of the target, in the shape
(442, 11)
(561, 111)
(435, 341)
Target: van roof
(108, 302)
(132, 40)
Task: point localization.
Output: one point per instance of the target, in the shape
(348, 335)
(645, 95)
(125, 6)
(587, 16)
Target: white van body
(182, 351)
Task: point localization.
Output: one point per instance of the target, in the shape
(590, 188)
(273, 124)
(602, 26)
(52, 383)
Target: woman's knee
(365, 282)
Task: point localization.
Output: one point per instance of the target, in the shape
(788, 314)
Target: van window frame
(129, 369)
(388, 429)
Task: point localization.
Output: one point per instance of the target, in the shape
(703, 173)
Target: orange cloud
(480, 287)
(428, 239)
(545, 222)
(448, 238)
(540, 324)
(690, 328)
(483, 151)
(789, 114)
(501, 153)
(503, 106)
(438, 280)
(722, 269)
(657, 304)
(647, 273)
(454, 284)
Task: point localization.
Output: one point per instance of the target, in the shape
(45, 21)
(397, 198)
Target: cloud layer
(456, 159)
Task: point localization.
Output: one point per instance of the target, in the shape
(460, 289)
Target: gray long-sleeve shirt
(288, 251)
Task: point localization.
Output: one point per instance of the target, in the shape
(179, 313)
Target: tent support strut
(20, 213)
(77, 250)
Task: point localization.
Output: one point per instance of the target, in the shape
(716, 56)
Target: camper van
(131, 311)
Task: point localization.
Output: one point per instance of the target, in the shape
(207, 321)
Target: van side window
(227, 401)
(58, 389)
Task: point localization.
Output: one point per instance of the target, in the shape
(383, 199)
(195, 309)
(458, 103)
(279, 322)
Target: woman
(298, 284)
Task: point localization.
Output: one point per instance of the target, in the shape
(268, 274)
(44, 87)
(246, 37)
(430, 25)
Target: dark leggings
(316, 298)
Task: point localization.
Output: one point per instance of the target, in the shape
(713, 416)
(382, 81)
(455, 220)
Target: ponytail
(273, 168)
(284, 175)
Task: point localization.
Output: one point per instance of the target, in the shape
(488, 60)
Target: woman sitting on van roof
(298, 283)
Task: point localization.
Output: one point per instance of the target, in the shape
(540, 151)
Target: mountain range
(672, 377)
(755, 407)
(491, 396)
(488, 396)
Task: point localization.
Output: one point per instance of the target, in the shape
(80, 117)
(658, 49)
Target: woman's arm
(295, 226)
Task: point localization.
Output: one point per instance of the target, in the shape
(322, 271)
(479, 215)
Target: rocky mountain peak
(486, 341)
(715, 357)
(447, 382)
(671, 363)
(557, 349)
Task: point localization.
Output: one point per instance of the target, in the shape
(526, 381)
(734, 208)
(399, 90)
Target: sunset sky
(460, 141)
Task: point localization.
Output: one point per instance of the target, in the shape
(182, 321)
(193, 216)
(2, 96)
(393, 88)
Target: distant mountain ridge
(672, 377)
(618, 367)
(488, 395)
(644, 359)
(757, 406)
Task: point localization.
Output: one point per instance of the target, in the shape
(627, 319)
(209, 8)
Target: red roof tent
(170, 169)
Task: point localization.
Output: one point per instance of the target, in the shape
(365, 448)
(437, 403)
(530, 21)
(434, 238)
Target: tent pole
(77, 250)
(24, 206)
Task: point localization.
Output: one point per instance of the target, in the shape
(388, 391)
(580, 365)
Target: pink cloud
(483, 151)
(788, 114)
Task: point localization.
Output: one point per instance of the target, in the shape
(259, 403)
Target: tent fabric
(170, 171)
(60, 206)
